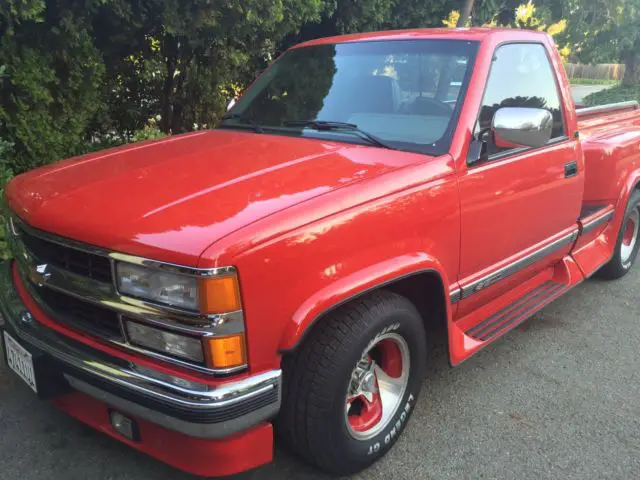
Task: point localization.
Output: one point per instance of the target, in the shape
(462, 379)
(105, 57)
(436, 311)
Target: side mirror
(514, 127)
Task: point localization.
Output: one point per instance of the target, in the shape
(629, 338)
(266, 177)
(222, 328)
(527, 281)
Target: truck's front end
(149, 352)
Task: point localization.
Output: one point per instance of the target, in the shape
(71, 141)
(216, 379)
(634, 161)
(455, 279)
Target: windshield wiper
(245, 120)
(328, 125)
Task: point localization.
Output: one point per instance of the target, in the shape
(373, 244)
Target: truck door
(519, 207)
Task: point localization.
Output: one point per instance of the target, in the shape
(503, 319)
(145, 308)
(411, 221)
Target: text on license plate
(20, 361)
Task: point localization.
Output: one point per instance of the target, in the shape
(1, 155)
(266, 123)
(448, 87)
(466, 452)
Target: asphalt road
(581, 91)
(559, 397)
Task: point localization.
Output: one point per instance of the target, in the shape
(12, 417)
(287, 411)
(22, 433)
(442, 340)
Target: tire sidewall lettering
(391, 328)
(394, 429)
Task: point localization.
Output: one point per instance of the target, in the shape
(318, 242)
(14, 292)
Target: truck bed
(593, 119)
(610, 137)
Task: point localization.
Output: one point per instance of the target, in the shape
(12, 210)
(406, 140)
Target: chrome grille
(73, 283)
(75, 261)
(76, 313)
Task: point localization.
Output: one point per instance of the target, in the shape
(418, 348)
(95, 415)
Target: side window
(521, 76)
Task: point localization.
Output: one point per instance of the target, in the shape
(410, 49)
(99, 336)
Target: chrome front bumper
(185, 406)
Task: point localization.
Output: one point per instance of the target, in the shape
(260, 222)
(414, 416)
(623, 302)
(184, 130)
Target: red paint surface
(206, 458)
(311, 223)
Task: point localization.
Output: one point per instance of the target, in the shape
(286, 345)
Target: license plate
(20, 361)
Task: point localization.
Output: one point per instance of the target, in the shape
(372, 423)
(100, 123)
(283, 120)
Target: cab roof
(477, 34)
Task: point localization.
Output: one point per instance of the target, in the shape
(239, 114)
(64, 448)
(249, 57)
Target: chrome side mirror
(515, 127)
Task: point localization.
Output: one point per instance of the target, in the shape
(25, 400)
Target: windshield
(406, 94)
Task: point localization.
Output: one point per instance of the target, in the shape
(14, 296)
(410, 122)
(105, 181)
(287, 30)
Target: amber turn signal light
(226, 352)
(220, 295)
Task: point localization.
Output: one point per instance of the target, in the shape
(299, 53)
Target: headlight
(215, 298)
(187, 348)
(155, 285)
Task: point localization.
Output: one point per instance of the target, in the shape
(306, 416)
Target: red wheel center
(363, 414)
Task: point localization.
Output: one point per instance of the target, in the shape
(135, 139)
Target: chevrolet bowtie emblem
(39, 274)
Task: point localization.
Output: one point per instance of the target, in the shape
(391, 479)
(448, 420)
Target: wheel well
(426, 291)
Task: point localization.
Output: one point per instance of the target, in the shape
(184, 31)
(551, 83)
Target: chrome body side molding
(610, 108)
(454, 295)
(474, 287)
(596, 222)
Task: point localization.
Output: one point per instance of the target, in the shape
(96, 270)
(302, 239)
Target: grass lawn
(592, 81)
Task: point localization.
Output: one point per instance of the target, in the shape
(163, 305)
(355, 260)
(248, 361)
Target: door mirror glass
(515, 127)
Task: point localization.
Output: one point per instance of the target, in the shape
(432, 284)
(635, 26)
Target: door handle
(570, 169)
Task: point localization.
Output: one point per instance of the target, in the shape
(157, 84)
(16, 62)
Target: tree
(467, 7)
(605, 31)
(348, 16)
(81, 74)
(181, 55)
(511, 13)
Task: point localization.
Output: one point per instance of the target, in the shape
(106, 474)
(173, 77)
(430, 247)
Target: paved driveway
(557, 398)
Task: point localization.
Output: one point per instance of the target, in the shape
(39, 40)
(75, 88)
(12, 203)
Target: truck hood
(171, 199)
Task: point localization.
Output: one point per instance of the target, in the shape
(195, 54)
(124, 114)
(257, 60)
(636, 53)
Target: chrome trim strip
(65, 242)
(172, 267)
(454, 295)
(610, 108)
(211, 431)
(593, 224)
(122, 257)
(514, 267)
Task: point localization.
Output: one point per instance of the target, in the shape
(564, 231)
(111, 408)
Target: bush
(151, 131)
(617, 94)
(6, 173)
(49, 92)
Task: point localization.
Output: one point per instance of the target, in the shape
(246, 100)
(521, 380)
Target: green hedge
(616, 94)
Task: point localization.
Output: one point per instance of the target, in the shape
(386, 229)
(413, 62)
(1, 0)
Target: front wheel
(350, 389)
(627, 244)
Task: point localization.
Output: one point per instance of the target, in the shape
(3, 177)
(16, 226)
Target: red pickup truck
(181, 295)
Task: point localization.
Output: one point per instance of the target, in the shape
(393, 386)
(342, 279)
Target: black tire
(616, 268)
(312, 420)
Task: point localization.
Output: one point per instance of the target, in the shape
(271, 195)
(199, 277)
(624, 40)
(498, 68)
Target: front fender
(354, 285)
(305, 260)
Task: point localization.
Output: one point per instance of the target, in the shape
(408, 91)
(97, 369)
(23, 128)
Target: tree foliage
(77, 75)
(607, 31)
(513, 14)
(51, 80)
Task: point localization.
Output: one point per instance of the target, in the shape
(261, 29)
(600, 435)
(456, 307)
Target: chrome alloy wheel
(377, 386)
(629, 237)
